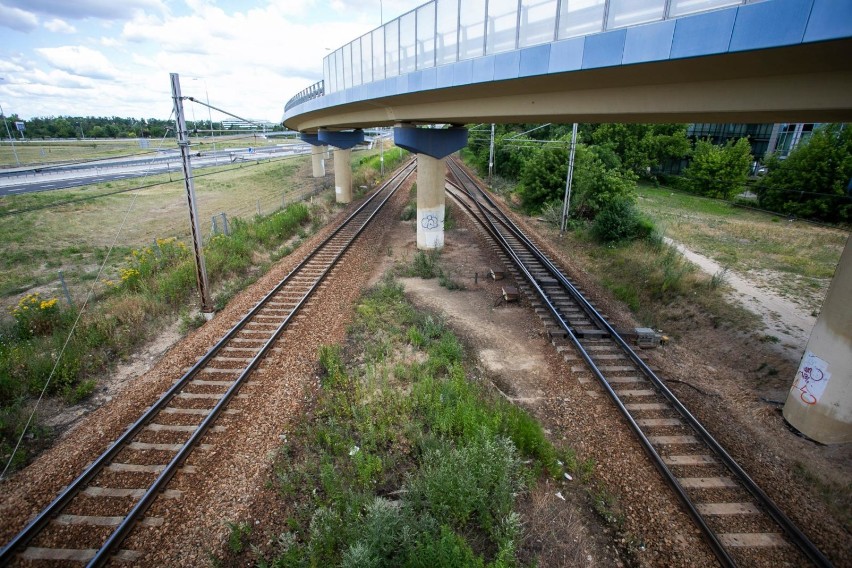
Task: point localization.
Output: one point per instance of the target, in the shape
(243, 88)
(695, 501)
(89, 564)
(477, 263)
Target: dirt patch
(783, 319)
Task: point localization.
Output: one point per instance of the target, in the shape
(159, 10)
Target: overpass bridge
(463, 61)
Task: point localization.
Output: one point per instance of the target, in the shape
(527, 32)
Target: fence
(446, 31)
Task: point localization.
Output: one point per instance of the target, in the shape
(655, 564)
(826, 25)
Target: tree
(719, 171)
(814, 181)
(594, 185)
(640, 147)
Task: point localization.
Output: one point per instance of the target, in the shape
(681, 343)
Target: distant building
(236, 124)
(764, 139)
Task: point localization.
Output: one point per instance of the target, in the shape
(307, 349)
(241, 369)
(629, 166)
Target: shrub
(620, 221)
(719, 171)
(35, 316)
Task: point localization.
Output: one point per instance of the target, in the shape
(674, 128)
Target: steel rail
(34, 527)
(718, 549)
(793, 532)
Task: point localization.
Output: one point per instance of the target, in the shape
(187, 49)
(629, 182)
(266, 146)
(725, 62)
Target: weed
(424, 264)
(448, 282)
(238, 535)
(409, 212)
(605, 505)
(405, 463)
(190, 321)
(719, 278)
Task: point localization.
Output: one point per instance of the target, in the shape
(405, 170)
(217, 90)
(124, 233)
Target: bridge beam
(431, 145)
(819, 404)
(343, 141)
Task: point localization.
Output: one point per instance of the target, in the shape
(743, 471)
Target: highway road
(18, 181)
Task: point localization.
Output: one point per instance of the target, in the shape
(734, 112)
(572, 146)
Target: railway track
(738, 520)
(88, 521)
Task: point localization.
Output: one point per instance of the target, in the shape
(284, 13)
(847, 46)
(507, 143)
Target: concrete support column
(318, 161)
(819, 404)
(342, 175)
(430, 202)
(327, 150)
(431, 145)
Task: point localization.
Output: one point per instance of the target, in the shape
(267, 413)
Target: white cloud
(79, 60)
(16, 19)
(59, 26)
(252, 57)
(81, 9)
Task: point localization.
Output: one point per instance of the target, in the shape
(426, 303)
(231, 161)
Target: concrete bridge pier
(343, 142)
(431, 145)
(819, 404)
(318, 161)
(318, 156)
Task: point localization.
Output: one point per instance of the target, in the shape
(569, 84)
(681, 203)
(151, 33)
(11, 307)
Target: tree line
(814, 181)
(102, 127)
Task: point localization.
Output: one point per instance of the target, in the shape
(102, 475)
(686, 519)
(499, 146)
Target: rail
(779, 517)
(102, 554)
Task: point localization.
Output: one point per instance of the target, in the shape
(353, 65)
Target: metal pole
(210, 117)
(8, 133)
(65, 289)
(382, 156)
(183, 144)
(491, 159)
(568, 179)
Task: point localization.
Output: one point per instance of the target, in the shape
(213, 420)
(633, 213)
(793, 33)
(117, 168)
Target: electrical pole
(491, 159)
(568, 179)
(183, 144)
(9, 134)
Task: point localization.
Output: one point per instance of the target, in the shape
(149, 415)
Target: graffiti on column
(430, 222)
(811, 379)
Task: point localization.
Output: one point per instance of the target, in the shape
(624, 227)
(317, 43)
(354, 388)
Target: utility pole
(183, 144)
(491, 159)
(568, 179)
(382, 154)
(9, 134)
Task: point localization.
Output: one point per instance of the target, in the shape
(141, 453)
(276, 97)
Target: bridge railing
(312, 92)
(446, 31)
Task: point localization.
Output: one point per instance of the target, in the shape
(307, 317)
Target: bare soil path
(783, 319)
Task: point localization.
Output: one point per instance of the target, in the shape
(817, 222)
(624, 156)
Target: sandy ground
(782, 318)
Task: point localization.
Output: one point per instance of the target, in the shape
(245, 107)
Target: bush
(719, 171)
(620, 221)
(813, 181)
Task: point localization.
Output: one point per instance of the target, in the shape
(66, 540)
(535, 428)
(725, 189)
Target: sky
(113, 57)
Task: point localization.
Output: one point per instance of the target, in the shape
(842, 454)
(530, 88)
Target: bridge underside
(803, 83)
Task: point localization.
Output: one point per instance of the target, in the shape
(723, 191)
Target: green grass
(795, 259)
(153, 284)
(426, 265)
(74, 238)
(404, 461)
